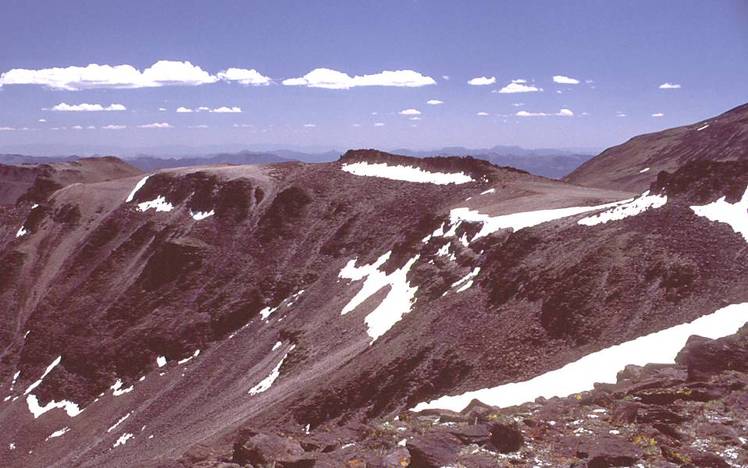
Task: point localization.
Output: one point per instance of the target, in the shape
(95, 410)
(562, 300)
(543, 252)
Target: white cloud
(162, 109)
(434, 102)
(482, 81)
(561, 79)
(242, 125)
(310, 125)
(42, 120)
(519, 86)
(243, 76)
(7, 129)
(561, 113)
(198, 126)
(227, 110)
(414, 118)
(658, 114)
(669, 86)
(333, 79)
(219, 110)
(410, 112)
(379, 124)
(156, 125)
(445, 77)
(84, 107)
(518, 104)
(482, 114)
(356, 125)
(77, 127)
(621, 114)
(161, 73)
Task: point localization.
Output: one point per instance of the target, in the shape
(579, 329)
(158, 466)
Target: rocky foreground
(691, 414)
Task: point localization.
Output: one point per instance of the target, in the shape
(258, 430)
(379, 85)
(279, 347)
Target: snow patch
(625, 210)
(122, 439)
(58, 433)
(54, 364)
(398, 301)
(21, 232)
(602, 366)
(186, 360)
(466, 281)
(514, 221)
(119, 421)
(161, 361)
(267, 382)
(734, 214)
(405, 173)
(200, 215)
(137, 187)
(486, 192)
(159, 204)
(702, 127)
(266, 312)
(117, 389)
(277, 345)
(37, 410)
(646, 169)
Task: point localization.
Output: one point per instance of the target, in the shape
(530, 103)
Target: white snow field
(602, 366)
(159, 204)
(135, 189)
(399, 298)
(734, 214)
(633, 207)
(405, 173)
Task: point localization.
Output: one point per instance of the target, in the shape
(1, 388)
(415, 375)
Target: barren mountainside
(293, 313)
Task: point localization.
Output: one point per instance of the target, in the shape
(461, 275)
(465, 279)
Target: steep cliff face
(159, 317)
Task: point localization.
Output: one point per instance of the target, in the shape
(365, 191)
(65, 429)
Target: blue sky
(621, 53)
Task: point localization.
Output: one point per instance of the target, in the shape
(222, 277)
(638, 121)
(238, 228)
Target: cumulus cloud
(7, 129)
(243, 76)
(219, 110)
(519, 86)
(561, 79)
(42, 120)
(310, 125)
(669, 86)
(482, 114)
(162, 109)
(482, 81)
(658, 114)
(414, 118)
(227, 110)
(77, 127)
(84, 107)
(410, 112)
(161, 73)
(114, 127)
(333, 79)
(379, 124)
(561, 113)
(434, 102)
(621, 114)
(156, 125)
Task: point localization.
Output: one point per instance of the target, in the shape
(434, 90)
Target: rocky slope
(167, 320)
(633, 165)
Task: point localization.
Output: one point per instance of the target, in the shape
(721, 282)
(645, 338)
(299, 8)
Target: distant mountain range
(547, 162)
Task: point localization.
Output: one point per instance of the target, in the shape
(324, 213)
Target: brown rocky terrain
(633, 165)
(204, 315)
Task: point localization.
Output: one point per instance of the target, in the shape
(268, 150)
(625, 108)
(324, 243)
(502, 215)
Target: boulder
(434, 449)
(261, 449)
(605, 451)
(506, 438)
